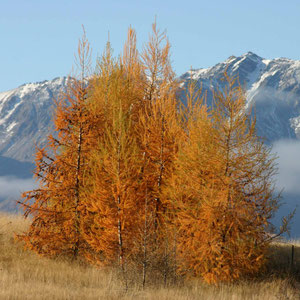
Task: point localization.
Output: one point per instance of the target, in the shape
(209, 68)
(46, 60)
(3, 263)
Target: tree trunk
(77, 200)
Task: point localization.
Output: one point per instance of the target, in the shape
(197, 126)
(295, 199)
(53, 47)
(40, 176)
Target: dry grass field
(23, 275)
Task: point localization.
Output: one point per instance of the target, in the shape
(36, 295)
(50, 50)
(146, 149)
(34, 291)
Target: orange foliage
(224, 192)
(114, 182)
(132, 176)
(57, 205)
(158, 133)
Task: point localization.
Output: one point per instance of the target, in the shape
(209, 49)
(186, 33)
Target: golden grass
(23, 275)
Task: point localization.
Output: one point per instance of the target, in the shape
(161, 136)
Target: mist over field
(12, 187)
(288, 181)
(288, 152)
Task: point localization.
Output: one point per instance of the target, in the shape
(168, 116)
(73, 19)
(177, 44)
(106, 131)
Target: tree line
(134, 178)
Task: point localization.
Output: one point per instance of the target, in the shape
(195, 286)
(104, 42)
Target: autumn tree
(157, 132)
(138, 98)
(193, 181)
(132, 178)
(226, 197)
(113, 199)
(56, 206)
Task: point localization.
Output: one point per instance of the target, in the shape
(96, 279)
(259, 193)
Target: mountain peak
(274, 85)
(57, 80)
(252, 56)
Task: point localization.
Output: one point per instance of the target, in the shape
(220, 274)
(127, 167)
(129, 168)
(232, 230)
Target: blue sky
(39, 38)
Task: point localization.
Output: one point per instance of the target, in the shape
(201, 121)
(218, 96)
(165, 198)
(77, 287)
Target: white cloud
(12, 187)
(288, 152)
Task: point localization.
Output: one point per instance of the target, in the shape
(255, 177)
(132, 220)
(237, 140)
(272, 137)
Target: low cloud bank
(288, 178)
(12, 187)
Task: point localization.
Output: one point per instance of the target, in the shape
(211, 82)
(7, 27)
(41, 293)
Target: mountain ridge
(26, 117)
(272, 85)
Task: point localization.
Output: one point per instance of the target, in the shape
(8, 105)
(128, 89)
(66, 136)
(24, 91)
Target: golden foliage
(136, 178)
(223, 189)
(57, 205)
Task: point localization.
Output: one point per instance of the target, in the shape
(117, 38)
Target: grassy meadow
(24, 275)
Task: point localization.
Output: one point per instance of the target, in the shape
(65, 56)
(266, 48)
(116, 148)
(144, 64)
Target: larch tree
(133, 177)
(56, 206)
(193, 181)
(138, 97)
(224, 216)
(113, 199)
(249, 200)
(157, 133)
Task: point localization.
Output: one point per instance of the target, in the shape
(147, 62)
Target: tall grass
(23, 275)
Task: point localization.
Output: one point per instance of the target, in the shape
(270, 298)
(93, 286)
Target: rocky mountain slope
(26, 117)
(272, 85)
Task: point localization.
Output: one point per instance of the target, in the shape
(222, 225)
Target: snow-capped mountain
(272, 87)
(25, 117)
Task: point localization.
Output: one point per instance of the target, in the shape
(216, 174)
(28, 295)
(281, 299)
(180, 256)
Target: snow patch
(237, 64)
(4, 96)
(230, 59)
(256, 78)
(27, 88)
(195, 75)
(295, 124)
(266, 61)
(2, 121)
(11, 126)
